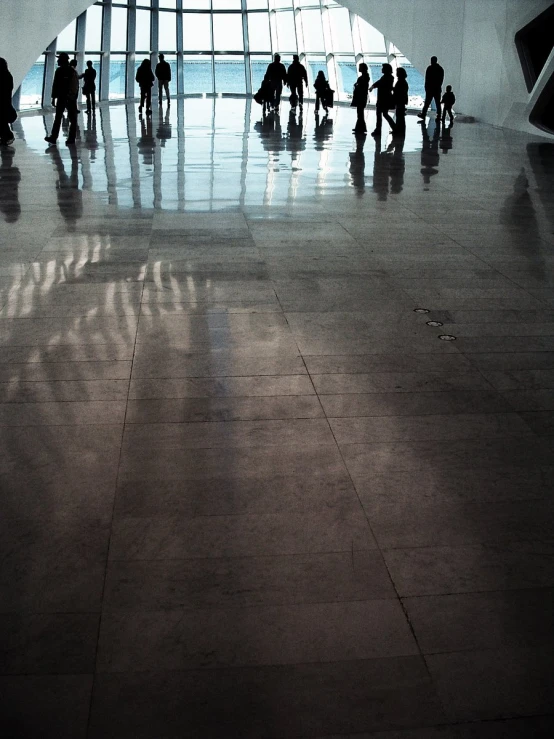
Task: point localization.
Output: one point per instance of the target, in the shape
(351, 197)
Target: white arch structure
(474, 40)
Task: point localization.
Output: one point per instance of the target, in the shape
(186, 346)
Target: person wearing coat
(145, 78)
(6, 108)
(65, 90)
(359, 98)
(89, 87)
(400, 100)
(384, 87)
(297, 77)
(276, 73)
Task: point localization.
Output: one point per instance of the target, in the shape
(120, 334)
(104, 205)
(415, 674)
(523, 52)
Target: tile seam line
(107, 556)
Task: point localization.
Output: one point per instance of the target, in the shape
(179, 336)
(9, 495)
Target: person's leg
(160, 92)
(437, 97)
(301, 93)
(142, 98)
(60, 107)
(451, 115)
(278, 91)
(149, 100)
(360, 122)
(317, 99)
(5, 130)
(389, 120)
(426, 104)
(72, 115)
(378, 120)
(93, 99)
(166, 85)
(400, 124)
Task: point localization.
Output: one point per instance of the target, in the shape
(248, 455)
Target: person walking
(400, 99)
(65, 90)
(297, 77)
(359, 98)
(448, 100)
(277, 75)
(322, 91)
(145, 79)
(434, 76)
(89, 87)
(7, 111)
(385, 102)
(163, 75)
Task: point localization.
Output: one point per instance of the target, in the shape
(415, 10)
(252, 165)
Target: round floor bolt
(447, 337)
(434, 323)
(421, 310)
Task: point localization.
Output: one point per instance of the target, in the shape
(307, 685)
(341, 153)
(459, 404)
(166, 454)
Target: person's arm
(55, 86)
(305, 75)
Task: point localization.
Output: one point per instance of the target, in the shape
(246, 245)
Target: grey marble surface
(245, 490)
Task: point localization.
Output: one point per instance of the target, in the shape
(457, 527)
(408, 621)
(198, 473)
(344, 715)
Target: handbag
(329, 98)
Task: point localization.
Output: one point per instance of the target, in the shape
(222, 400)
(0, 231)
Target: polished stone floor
(247, 490)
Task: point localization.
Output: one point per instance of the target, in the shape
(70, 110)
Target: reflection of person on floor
(146, 143)
(10, 177)
(323, 131)
(295, 141)
(357, 166)
(381, 168)
(70, 197)
(397, 164)
(430, 155)
(164, 127)
(400, 100)
(446, 139)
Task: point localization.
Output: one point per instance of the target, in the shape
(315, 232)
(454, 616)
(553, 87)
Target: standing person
(384, 87)
(163, 74)
(145, 79)
(7, 111)
(322, 90)
(65, 89)
(434, 76)
(448, 100)
(400, 99)
(89, 87)
(359, 98)
(277, 75)
(73, 64)
(297, 77)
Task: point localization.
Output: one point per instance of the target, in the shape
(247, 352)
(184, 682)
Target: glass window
(167, 32)
(93, 35)
(312, 30)
(340, 29)
(286, 34)
(168, 4)
(258, 32)
(255, 4)
(196, 4)
(282, 3)
(372, 40)
(346, 77)
(117, 76)
(228, 32)
(119, 29)
(259, 66)
(142, 42)
(230, 74)
(197, 74)
(226, 4)
(66, 39)
(32, 86)
(197, 35)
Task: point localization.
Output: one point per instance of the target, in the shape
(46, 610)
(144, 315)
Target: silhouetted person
(73, 63)
(322, 92)
(89, 87)
(297, 77)
(359, 98)
(163, 75)
(448, 100)
(357, 166)
(384, 87)
(7, 111)
(145, 79)
(434, 76)
(65, 90)
(277, 76)
(430, 155)
(400, 99)
(70, 197)
(10, 177)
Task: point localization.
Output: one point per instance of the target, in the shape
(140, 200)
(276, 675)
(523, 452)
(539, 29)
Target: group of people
(295, 77)
(392, 95)
(65, 91)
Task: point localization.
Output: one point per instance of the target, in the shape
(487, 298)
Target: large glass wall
(218, 46)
